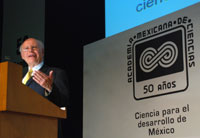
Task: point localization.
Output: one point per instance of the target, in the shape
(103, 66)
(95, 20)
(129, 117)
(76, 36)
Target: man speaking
(50, 82)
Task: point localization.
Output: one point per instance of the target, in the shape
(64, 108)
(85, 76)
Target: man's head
(32, 51)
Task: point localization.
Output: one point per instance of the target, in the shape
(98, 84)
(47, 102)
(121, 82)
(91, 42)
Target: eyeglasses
(30, 48)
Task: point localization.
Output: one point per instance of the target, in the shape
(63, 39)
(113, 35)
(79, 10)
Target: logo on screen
(160, 63)
(165, 56)
(159, 56)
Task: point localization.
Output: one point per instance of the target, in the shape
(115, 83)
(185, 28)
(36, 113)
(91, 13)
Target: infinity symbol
(165, 56)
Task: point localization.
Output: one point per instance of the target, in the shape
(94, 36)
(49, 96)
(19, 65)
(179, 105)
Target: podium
(23, 112)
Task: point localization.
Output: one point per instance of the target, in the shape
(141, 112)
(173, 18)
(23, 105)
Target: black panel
(1, 26)
(69, 26)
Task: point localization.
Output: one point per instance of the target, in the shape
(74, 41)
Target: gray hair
(40, 44)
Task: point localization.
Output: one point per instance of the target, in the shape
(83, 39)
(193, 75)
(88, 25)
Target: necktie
(28, 76)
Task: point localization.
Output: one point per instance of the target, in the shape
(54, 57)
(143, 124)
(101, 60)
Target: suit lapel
(44, 69)
(29, 81)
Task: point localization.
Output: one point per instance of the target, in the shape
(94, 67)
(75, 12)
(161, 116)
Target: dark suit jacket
(60, 89)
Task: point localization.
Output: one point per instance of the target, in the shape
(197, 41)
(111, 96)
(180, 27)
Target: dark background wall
(1, 24)
(69, 25)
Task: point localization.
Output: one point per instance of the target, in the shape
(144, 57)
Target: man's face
(31, 53)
